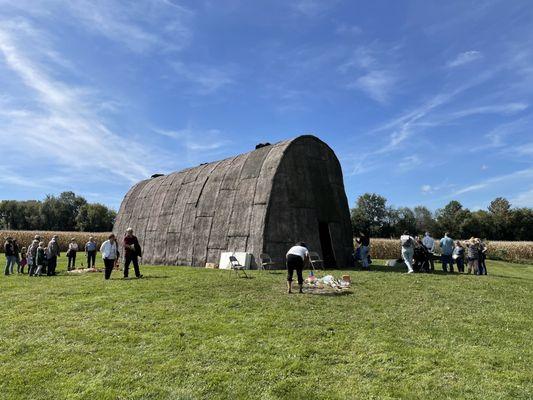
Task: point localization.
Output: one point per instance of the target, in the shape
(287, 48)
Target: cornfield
(379, 248)
(24, 238)
(496, 250)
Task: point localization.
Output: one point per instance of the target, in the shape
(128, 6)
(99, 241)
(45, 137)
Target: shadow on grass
(322, 292)
(385, 268)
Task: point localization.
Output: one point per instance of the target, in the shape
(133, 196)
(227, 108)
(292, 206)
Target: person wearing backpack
(408, 250)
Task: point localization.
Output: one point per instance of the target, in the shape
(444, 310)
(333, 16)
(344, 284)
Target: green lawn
(186, 333)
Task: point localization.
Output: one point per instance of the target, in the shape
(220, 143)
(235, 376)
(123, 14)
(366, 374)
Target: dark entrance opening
(325, 242)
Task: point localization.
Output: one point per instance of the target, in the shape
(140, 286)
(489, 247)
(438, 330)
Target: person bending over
(297, 258)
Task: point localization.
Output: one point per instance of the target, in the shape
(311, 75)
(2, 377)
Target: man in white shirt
(408, 250)
(109, 254)
(297, 258)
(429, 243)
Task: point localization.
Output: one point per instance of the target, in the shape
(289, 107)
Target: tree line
(66, 212)
(500, 221)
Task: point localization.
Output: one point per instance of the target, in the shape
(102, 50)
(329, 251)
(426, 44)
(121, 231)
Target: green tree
(95, 218)
(501, 213)
(450, 218)
(425, 222)
(59, 213)
(406, 221)
(369, 214)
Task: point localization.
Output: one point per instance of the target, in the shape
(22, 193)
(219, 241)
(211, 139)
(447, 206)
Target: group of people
(41, 258)
(419, 254)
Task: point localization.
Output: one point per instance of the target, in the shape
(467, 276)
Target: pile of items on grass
(327, 283)
(79, 271)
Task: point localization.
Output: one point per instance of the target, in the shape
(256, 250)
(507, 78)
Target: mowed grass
(186, 333)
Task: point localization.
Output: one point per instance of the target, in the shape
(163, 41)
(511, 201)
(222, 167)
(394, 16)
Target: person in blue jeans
(446, 247)
(9, 252)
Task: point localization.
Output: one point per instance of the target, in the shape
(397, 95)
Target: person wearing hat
(297, 259)
(71, 254)
(9, 252)
(90, 251)
(53, 253)
(132, 252)
(109, 250)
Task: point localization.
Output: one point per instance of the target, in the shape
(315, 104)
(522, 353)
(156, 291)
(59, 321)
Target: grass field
(185, 333)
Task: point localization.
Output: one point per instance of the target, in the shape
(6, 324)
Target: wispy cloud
(375, 77)
(520, 174)
(62, 128)
(377, 84)
(155, 25)
(503, 109)
(464, 58)
(523, 199)
(206, 79)
(409, 162)
(198, 144)
(312, 8)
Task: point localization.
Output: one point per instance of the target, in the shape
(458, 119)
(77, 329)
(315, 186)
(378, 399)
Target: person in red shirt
(132, 252)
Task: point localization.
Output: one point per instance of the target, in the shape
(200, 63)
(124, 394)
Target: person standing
(53, 253)
(109, 252)
(9, 252)
(364, 247)
(472, 255)
(429, 244)
(132, 252)
(482, 267)
(297, 258)
(40, 259)
(16, 251)
(90, 251)
(459, 256)
(446, 247)
(408, 250)
(23, 260)
(32, 255)
(71, 254)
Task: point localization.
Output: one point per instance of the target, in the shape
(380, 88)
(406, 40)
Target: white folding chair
(236, 266)
(265, 262)
(315, 260)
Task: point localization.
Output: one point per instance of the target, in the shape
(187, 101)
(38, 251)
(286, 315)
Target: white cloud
(377, 84)
(349, 30)
(61, 128)
(464, 58)
(375, 78)
(503, 109)
(207, 79)
(409, 162)
(140, 26)
(523, 199)
(312, 8)
(520, 175)
(198, 144)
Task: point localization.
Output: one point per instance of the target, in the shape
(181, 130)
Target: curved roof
(190, 216)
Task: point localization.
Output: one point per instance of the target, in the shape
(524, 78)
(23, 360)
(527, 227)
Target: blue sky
(423, 101)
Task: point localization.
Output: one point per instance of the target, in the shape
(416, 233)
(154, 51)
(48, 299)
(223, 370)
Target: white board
(243, 258)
